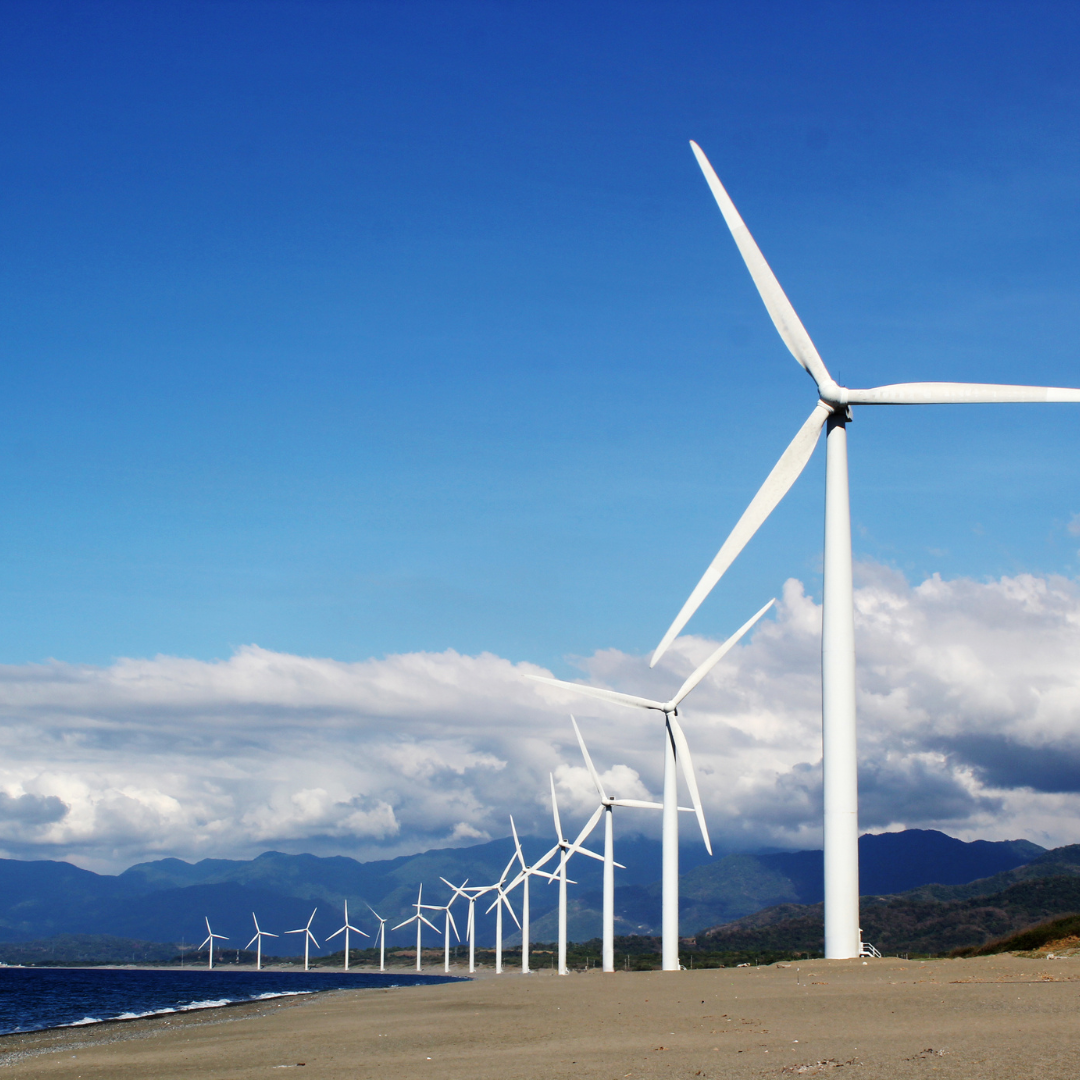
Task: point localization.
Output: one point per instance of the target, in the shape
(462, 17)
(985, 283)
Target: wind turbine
(833, 411)
(448, 925)
(345, 930)
(522, 879)
(210, 935)
(566, 849)
(501, 901)
(419, 918)
(309, 937)
(676, 755)
(608, 804)
(472, 894)
(259, 935)
(381, 935)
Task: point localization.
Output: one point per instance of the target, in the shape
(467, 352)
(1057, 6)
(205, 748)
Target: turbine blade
(517, 843)
(555, 808)
(398, 927)
(425, 919)
(252, 942)
(313, 941)
(588, 827)
(540, 862)
(777, 484)
(266, 933)
(506, 901)
(357, 930)
(588, 761)
(717, 656)
(379, 917)
(638, 803)
(607, 695)
(329, 937)
(787, 323)
(942, 393)
(453, 924)
(682, 755)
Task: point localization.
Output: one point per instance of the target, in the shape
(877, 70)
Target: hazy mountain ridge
(167, 900)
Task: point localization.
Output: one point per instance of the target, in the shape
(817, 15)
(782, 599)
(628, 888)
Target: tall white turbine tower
(833, 410)
(471, 893)
(345, 930)
(607, 806)
(501, 901)
(381, 936)
(210, 935)
(309, 937)
(259, 935)
(676, 756)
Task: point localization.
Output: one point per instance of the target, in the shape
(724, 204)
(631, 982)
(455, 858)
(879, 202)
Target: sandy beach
(991, 1017)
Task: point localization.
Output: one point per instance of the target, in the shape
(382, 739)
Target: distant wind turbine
(345, 930)
(210, 935)
(833, 411)
(471, 894)
(259, 935)
(309, 937)
(607, 805)
(522, 879)
(676, 755)
(501, 901)
(420, 919)
(381, 936)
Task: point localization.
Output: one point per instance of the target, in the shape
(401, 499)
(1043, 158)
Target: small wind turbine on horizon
(259, 935)
(471, 894)
(833, 411)
(448, 925)
(210, 935)
(420, 919)
(676, 756)
(607, 805)
(381, 936)
(345, 930)
(309, 937)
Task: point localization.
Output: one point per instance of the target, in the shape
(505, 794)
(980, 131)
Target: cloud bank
(969, 702)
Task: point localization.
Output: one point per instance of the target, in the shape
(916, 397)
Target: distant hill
(167, 900)
(930, 919)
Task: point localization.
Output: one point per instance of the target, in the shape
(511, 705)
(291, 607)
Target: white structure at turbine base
(259, 935)
(839, 759)
(676, 756)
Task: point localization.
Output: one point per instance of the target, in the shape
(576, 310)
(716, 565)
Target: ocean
(32, 999)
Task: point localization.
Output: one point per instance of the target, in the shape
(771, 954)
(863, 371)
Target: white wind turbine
(676, 755)
(501, 901)
(381, 936)
(472, 894)
(419, 918)
(259, 935)
(566, 850)
(448, 925)
(345, 930)
(833, 410)
(607, 805)
(522, 879)
(309, 937)
(210, 935)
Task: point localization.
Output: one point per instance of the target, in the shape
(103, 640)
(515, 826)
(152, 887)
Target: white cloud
(969, 696)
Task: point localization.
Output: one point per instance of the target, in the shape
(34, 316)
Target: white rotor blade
(509, 907)
(943, 393)
(336, 932)
(555, 808)
(717, 656)
(682, 755)
(249, 944)
(588, 761)
(313, 941)
(607, 695)
(517, 843)
(787, 323)
(380, 918)
(638, 803)
(453, 925)
(398, 927)
(588, 827)
(425, 919)
(540, 862)
(208, 939)
(777, 484)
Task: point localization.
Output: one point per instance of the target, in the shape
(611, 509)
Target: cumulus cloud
(969, 695)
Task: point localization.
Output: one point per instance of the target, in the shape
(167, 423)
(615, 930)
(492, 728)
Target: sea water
(32, 999)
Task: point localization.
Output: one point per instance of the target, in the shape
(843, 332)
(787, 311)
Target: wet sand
(991, 1017)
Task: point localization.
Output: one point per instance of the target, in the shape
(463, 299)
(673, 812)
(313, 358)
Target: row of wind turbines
(832, 411)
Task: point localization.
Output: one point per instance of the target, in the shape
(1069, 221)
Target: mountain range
(167, 900)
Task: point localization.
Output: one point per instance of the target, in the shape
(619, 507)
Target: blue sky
(355, 329)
